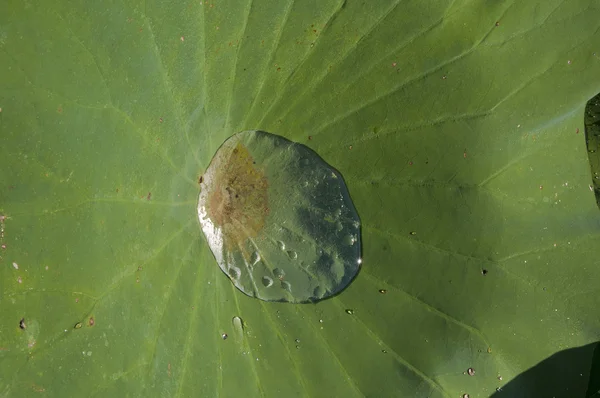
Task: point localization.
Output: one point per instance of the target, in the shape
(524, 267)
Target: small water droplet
(238, 324)
(224, 336)
(286, 286)
(318, 292)
(471, 372)
(382, 291)
(292, 254)
(254, 258)
(281, 245)
(465, 396)
(413, 232)
(278, 273)
(297, 340)
(234, 272)
(384, 351)
(349, 311)
(267, 281)
(350, 240)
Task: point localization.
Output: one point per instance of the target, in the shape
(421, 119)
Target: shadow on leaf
(572, 373)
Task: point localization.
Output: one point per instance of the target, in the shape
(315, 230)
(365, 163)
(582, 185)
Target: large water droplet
(252, 213)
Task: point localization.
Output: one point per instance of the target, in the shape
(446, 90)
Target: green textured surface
(442, 122)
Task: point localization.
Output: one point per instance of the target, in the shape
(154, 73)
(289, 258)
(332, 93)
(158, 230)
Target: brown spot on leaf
(237, 201)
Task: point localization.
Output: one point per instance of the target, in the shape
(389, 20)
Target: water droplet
(471, 372)
(224, 336)
(318, 293)
(255, 258)
(267, 281)
(382, 291)
(286, 286)
(279, 273)
(238, 324)
(234, 272)
(350, 239)
(248, 206)
(349, 311)
(292, 254)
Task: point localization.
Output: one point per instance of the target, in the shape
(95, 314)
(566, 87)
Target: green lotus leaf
(458, 128)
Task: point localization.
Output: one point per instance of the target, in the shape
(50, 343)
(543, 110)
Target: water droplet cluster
(278, 219)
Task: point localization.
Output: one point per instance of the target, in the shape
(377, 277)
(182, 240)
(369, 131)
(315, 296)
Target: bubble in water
(286, 285)
(254, 258)
(267, 281)
(234, 272)
(278, 273)
(253, 209)
(319, 291)
(292, 254)
(350, 239)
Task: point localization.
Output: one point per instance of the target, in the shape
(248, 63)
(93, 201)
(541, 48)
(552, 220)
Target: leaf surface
(454, 124)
